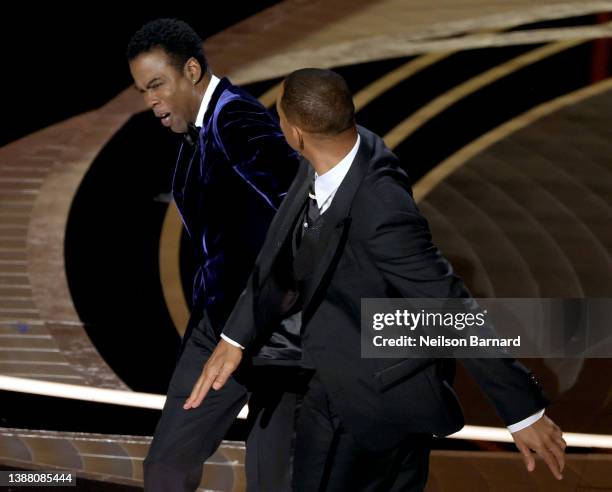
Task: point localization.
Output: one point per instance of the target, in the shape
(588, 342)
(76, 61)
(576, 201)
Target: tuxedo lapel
(335, 227)
(281, 226)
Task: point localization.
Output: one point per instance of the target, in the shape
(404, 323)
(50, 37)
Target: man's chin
(178, 127)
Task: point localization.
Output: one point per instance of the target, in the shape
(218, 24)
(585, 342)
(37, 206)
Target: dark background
(61, 60)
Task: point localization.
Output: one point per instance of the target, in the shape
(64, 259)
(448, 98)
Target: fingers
(559, 456)
(558, 439)
(551, 460)
(554, 444)
(557, 446)
(223, 376)
(194, 392)
(220, 366)
(546, 439)
(561, 442)
(201, 388)
(527, 456)
(549, 450)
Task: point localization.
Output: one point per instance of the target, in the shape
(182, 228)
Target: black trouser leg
(327, 457)
(269, 446)
(184, 439)
(273, 410)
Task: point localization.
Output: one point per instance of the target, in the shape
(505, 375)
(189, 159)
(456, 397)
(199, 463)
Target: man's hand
(546, 439)
(222, 363)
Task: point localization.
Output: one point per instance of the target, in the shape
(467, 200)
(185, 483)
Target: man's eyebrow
(152, 81)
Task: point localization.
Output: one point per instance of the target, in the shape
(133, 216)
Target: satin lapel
(335, 229)
(286, 215)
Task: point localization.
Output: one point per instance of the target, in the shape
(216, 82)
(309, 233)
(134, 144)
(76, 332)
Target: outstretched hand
(546, 439)
(222, 363)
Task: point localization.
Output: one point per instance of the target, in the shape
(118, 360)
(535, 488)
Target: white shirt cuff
(231, 342)
(525, 422)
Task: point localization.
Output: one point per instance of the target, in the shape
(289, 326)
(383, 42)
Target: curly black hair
(174, 36)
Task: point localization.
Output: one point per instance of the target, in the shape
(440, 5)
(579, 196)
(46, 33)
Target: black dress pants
(327, 457)
(184, 439)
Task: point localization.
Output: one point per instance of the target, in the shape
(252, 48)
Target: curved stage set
(502, 113)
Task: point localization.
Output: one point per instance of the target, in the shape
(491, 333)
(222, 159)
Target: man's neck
(326, 152)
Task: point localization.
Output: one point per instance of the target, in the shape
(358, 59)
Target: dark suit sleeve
(400, 244)
(241, 327)
(256, 149)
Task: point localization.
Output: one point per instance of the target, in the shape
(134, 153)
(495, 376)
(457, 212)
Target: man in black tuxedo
(233, 170)
(350, 229)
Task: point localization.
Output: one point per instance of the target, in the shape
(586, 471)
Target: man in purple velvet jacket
(232, 173)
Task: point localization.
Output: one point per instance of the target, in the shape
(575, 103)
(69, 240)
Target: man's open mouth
(165, 119)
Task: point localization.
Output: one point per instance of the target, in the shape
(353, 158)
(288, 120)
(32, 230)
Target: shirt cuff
(231, 342)
(525, 422)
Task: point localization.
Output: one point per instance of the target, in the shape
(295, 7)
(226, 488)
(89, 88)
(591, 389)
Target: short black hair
(318, 101)
(174, 36)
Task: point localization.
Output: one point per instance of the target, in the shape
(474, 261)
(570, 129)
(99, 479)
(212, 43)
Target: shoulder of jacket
(384, 192)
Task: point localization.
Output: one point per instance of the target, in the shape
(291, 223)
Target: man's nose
(151, 100)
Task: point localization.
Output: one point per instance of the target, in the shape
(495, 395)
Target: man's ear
(193, 70)
(298, 136)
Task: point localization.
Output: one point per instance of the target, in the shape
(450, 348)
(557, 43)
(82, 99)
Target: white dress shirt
(325, 187)
(212, 85)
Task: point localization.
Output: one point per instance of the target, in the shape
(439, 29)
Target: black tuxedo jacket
(374, 243)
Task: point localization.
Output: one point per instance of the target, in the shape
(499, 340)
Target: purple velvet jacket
(227, 192)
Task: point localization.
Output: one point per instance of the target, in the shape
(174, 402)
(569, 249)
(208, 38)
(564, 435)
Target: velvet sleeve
(256, 149)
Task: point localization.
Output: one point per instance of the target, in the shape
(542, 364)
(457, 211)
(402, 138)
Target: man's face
(289, 131)
(167, 91)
